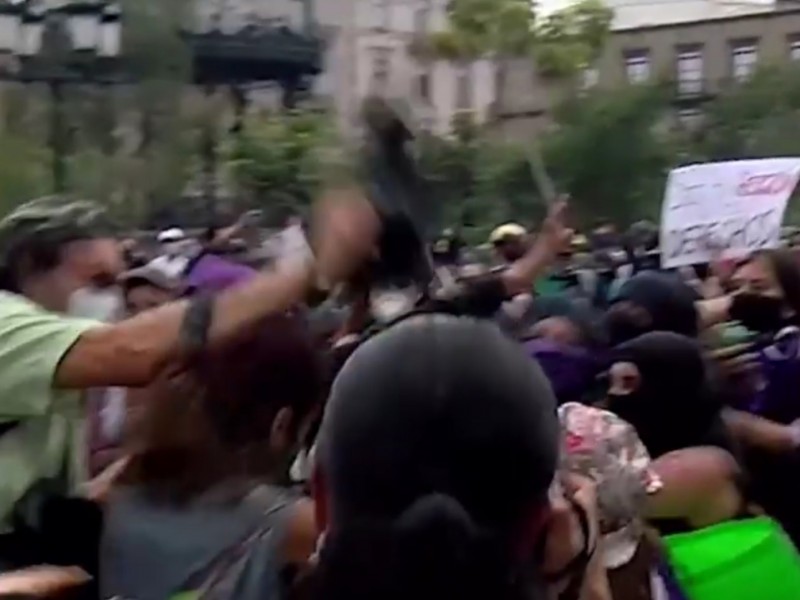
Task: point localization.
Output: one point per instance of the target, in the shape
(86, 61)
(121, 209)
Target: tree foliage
(611, 152)
(279, 161)
(23, 172)
(571, 39)
(757, 118)
(560, 44)
(478, 182)
(478, 27)
(137, 147)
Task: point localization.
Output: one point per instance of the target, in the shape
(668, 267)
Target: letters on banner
(735, 206)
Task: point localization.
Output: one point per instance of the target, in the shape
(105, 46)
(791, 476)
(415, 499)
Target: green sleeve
(32, 344)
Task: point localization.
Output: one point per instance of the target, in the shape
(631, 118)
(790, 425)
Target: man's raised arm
(131, 353)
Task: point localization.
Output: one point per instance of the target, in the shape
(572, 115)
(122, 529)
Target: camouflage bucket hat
(599, 445)
(50, 221)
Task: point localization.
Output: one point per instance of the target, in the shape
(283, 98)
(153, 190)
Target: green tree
(279, 161)
(23, 171)
(559, 45)
(478, 181)
(758, 118)
(612, 151)
(450, 165)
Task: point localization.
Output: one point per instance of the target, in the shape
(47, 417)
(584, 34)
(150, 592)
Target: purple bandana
(211, 273)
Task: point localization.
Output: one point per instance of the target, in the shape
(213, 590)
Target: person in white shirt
(175, 256)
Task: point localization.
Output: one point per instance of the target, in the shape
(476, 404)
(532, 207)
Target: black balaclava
(673, 408)
(668, 301)
(439, 405)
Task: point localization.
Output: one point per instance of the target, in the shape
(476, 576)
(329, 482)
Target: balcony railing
(688, 91)
(254, 54)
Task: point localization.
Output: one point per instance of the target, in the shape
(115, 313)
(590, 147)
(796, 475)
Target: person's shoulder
(33, 342)
(16, 309)
(20, 317)
(11, 304)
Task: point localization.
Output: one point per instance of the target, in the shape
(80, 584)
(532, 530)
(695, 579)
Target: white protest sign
(736, 206)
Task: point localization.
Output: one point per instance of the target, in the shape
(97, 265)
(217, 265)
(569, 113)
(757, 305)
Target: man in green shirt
(50, 249)
(44, 436)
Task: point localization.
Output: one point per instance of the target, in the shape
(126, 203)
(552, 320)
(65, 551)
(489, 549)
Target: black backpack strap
(268, 502)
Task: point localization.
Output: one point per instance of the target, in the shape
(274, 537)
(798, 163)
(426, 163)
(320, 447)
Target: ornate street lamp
(78, 42)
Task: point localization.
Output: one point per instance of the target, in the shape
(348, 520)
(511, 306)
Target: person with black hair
(565, 341)
(768, 287)
(659, 384)
(652, 301)
(435, 473)
(765, 298)
(669, 412)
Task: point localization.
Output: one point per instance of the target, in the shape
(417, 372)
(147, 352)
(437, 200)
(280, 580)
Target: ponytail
(433, 550)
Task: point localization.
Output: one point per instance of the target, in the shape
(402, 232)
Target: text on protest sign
(736, 207)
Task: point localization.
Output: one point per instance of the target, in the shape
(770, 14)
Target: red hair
(213, 421)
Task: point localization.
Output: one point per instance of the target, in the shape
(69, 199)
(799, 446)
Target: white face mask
(172, 249)
(96, 303)
(387, 305)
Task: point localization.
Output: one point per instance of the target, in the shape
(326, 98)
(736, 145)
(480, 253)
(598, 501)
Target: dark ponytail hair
(433, 550)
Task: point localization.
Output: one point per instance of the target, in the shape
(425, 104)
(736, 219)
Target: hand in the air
(345, 233)
(556, 233)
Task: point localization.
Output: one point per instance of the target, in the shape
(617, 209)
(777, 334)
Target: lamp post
(77, 42)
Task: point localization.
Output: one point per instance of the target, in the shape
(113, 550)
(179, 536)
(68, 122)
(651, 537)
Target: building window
(590, 76)
(422, 17)
(423, 86)
(744, 56)
(689, 67)
(463, 73)
(794, 47)
(381, 69)
(383, 14)
(637, 66)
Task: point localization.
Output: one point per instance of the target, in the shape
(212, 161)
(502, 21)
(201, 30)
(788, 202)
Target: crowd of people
(202, 418)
